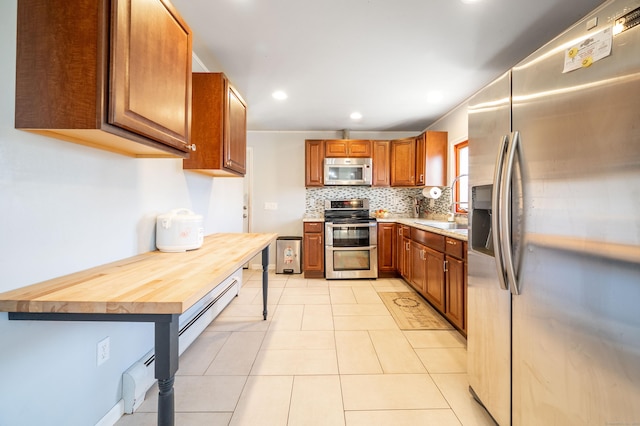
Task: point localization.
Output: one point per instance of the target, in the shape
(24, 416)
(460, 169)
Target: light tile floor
(329, 354)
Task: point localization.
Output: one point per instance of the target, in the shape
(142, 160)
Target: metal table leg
(265, 280)
(166, 351)
(166, 348)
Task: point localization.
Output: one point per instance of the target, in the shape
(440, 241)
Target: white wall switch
(271, 206)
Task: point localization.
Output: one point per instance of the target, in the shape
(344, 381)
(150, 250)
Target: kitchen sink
(442, 225)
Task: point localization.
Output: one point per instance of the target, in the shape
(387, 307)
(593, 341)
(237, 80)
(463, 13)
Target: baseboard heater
(137, 380)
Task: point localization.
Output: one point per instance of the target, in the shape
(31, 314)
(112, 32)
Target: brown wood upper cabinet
(353, 148)
(381, 163)
(419, 161)
(105, 73)
(314, 162)
(431, 159)
(219, 127)
(403, 162)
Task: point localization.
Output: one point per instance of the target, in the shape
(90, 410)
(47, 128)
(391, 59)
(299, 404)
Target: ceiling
(382, 58)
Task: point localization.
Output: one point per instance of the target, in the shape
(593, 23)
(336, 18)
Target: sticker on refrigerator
(588, 51)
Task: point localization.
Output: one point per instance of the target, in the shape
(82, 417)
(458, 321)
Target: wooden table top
(150, 283)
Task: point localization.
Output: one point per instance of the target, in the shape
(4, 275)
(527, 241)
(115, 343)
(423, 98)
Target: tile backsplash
(398, 201)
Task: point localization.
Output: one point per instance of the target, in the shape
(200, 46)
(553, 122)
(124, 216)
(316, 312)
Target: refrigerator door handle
(505, 215)
(495, 208)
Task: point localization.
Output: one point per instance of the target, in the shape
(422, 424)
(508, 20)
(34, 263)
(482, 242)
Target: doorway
(247, 196)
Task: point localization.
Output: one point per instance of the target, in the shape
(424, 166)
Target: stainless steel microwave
(347, 171)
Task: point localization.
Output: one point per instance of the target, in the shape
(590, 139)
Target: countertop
(460, 234)
(150, 283)
(429, 225)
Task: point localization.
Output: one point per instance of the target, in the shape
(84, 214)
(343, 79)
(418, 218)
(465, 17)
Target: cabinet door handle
(421, 178)
(406, 246)
(453, 243)
(444, 265)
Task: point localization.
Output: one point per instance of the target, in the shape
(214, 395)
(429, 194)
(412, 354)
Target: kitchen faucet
(452, 214)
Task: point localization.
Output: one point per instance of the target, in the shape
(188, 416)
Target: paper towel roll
(433, 192)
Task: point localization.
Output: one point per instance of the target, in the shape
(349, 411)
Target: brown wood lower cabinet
(313, 249)
(387, 242)
(435, 266)
(455, 301)
(435, 288)
(418, 277)
(456, 283)
(403, 253)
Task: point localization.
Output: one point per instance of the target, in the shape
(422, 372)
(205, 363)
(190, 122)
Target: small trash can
(288, 255)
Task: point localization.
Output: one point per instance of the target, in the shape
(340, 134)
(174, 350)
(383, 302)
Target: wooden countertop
(150, 283)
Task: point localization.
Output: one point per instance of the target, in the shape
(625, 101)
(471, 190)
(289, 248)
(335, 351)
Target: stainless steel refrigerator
(554, 257)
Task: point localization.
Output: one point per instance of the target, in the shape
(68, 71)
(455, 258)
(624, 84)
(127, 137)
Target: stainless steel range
(351, 240)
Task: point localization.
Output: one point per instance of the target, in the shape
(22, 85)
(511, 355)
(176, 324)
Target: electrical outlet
(103, 351)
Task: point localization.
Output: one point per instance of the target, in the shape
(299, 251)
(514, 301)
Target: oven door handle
(351, 225)
(352, 248)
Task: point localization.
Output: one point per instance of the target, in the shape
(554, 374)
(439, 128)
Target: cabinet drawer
(454, 247)
(313, 226)
(404, 231)
(429, 239)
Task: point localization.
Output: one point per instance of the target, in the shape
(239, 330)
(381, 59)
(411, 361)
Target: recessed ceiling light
(434, 97)
(355, 116)
(470, 1)
(279, 95)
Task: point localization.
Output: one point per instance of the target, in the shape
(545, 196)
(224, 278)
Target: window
(461, 189)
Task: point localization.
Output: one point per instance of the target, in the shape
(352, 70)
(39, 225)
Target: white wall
(65, 208)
